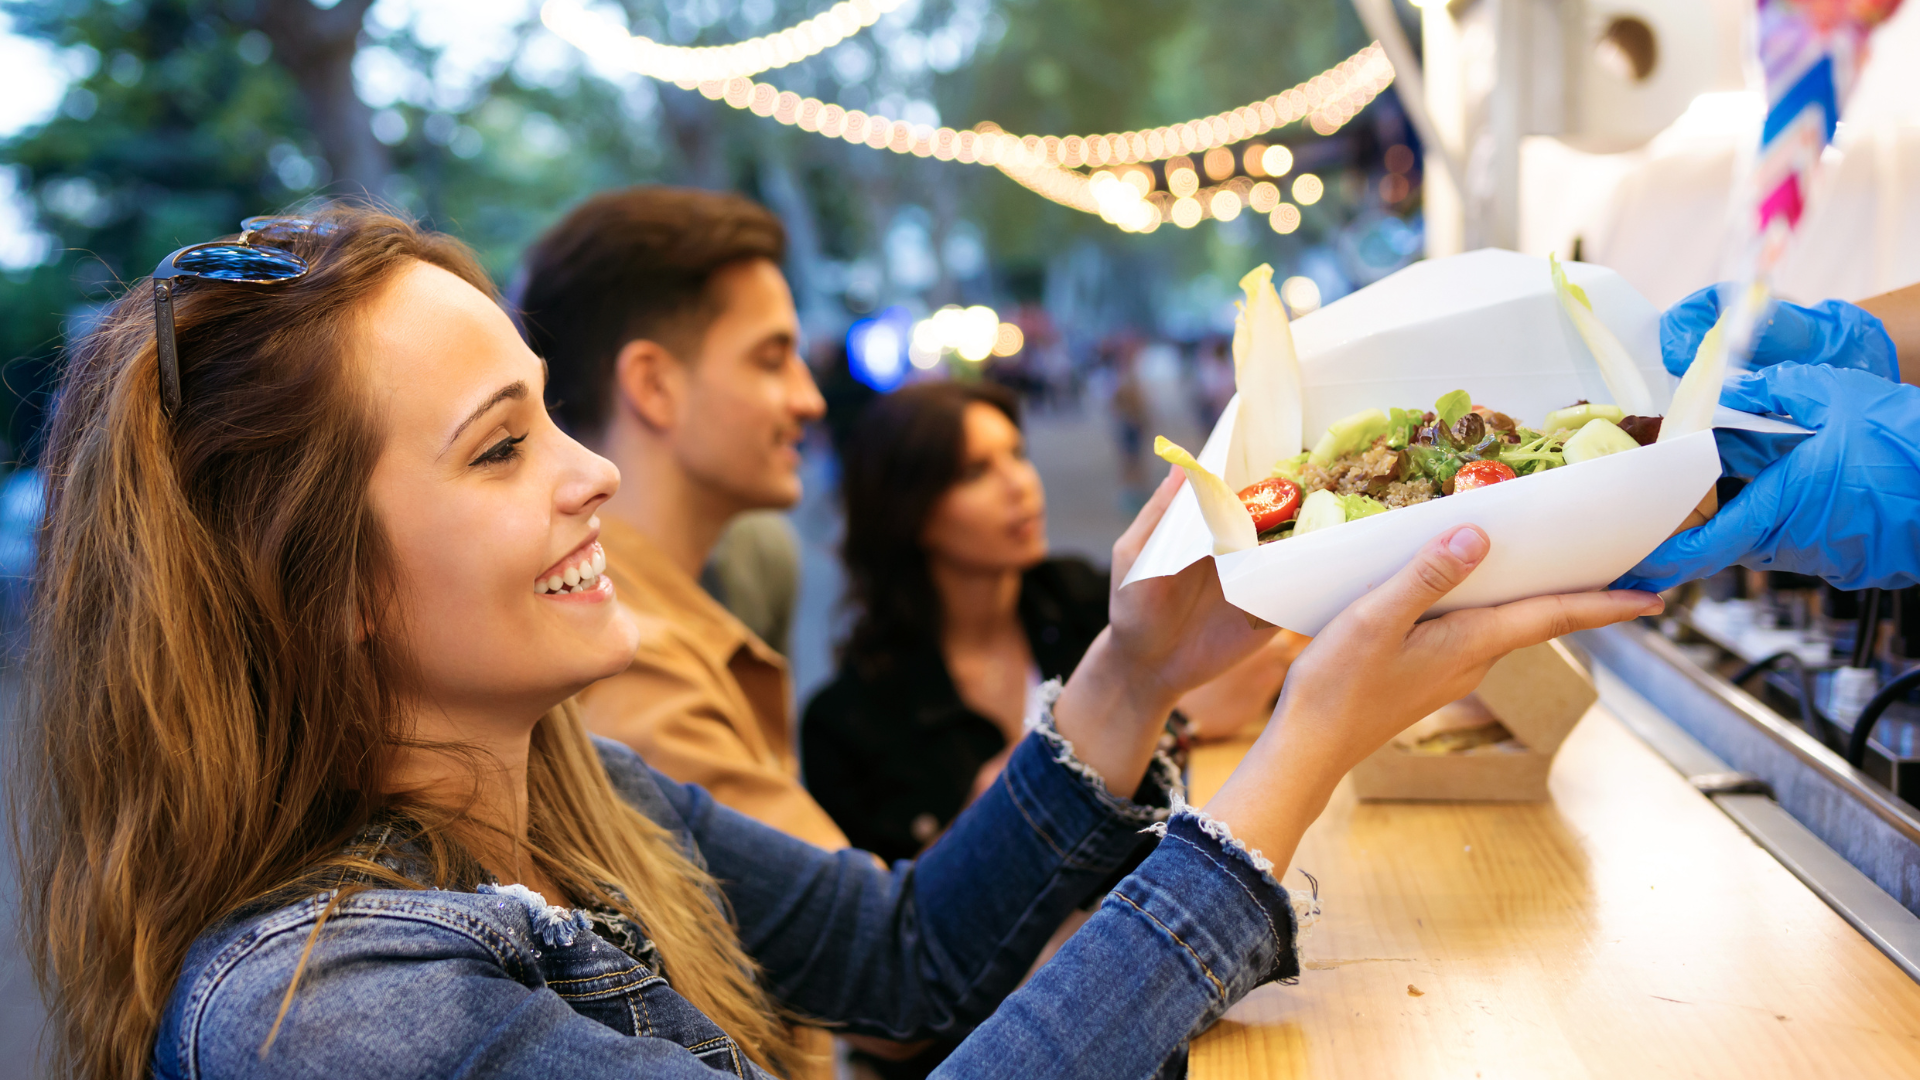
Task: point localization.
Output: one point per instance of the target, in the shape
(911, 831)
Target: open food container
(1495, 745)
(1491, 323)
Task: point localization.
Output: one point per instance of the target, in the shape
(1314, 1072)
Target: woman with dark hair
(960, 617)
(304, 792)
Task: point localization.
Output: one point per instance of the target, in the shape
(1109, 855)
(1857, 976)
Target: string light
(1047, 165)
(973, 334)
(688, 67)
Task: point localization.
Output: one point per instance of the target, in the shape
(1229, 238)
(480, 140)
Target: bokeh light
(1307, 189)
(1301, 295)
(1285, 218)
(1225, 205)
(1008, 340)
(1277, 161)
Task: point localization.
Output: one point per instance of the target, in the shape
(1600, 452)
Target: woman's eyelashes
(503, 451)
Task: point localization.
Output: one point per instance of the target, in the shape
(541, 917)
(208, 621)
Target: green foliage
(186, 120)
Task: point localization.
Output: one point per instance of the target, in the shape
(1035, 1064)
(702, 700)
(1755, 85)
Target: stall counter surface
(1625, 928)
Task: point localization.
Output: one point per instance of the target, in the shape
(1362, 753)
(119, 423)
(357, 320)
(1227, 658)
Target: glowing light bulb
(1285, 218)
(1307, 189)
(1276, 161)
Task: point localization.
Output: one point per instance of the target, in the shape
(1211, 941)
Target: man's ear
(651, 383)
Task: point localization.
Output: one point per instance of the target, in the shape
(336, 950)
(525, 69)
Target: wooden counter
(1628, 928)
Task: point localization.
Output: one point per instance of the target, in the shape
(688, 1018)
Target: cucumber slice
(1575, 417)
(1598, 438)
(1322, 510)
(1347, 436)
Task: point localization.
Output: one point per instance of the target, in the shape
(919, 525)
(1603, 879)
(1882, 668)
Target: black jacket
(882, 754)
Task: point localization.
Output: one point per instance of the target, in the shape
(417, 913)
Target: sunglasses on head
(253, 259)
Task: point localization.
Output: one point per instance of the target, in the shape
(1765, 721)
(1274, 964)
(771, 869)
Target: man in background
(672, 348)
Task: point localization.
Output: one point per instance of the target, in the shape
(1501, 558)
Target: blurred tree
(187, 115)
(316, 45)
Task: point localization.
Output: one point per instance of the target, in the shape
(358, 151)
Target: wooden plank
(1627, 928)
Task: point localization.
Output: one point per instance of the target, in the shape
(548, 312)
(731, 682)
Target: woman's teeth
(579, 577)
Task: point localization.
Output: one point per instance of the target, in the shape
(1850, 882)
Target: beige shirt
(704, 701)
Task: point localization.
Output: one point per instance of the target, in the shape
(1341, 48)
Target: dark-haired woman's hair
(904, 452)
(201, 732)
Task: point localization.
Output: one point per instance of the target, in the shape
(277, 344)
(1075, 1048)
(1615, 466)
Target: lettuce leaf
(1451, 407)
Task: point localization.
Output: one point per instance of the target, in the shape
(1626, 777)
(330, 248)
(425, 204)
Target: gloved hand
(1832, 332)
(1843, 505)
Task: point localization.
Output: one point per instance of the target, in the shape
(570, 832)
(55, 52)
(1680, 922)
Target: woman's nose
(586, 481)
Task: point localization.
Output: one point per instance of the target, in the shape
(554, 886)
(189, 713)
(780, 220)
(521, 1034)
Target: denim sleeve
(935, 946)
(932, 946)
(1196, 927)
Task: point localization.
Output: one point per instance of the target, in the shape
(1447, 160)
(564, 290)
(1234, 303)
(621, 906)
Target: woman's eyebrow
(513, 391)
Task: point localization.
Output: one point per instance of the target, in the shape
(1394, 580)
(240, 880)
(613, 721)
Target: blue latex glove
(1843, 505)
(1832, 332)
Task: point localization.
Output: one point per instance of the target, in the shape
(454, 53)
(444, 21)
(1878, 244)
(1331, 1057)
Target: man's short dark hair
(626, 266)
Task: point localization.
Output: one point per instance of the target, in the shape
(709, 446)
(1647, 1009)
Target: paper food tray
(1489, 323)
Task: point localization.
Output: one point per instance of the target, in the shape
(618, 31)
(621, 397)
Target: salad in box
(1490, 388)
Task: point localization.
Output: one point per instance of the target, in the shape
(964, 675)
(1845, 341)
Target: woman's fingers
(1127, 548)
(1488, 633)
(1441, 565)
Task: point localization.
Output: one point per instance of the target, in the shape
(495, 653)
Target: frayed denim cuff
(1160, 789)
(1288, 916)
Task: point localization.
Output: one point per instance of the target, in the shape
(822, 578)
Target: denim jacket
(433, 983)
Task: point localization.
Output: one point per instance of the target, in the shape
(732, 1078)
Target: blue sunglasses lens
(287, 229)
(241, 262)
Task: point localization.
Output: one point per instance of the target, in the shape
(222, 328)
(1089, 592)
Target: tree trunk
(317, 46)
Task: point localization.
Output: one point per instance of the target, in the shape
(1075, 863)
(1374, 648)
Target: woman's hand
(1244, 693)
(1374, 671)
(1165, 636)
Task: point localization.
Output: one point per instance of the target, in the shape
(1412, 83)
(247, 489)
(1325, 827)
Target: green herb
(1290, 467)
(1451, 407)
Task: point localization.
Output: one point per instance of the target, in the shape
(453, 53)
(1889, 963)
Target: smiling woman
(306, 793)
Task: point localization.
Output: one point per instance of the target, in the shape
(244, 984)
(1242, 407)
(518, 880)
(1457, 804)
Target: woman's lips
(579, 572)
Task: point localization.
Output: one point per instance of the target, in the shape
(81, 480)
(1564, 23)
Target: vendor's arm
(1842, 505)
(1899, 313)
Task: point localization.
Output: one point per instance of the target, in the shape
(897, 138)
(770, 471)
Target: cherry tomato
(1476, 474)
(1272, 502)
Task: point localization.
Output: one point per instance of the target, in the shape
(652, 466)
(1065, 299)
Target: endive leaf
(1266, 369)
(1623, 378)
(1226, 516)
(1699, 390)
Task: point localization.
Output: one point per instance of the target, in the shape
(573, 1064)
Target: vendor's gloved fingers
(1739, 529)
(1793, 390)
(1832, 332)
(1684, 324)
(1434, 571)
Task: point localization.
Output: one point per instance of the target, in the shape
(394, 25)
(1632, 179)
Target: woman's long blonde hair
(201, 733)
